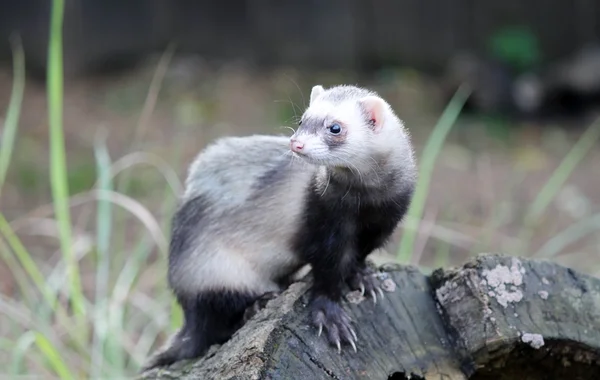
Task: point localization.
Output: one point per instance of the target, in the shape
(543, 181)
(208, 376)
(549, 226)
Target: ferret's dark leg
(325, 246)
(326, 308)
(375, 226)
(362, 276)
(210, 318)
(324, 241)
(331, 260)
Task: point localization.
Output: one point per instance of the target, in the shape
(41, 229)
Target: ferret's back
(251, 195)
(233, 169)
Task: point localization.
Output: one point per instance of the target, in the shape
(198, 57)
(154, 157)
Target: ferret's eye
(300, 122)
(335, 129)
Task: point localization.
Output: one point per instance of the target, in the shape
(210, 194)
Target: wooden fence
(355, 34)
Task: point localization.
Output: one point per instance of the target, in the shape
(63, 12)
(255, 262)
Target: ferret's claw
(366, 282)
(353, 346)
(331, 320)
(354, 334)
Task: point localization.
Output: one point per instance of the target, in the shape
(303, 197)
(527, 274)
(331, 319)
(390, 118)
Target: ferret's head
(345, 126)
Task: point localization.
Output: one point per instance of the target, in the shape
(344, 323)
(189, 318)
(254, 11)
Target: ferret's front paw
(364, 280)
(331, 316)
(258, 305)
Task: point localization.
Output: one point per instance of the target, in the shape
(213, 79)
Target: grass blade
(53, 356)
(568, 236)
(11, 123)
(58, 166)
(563, 171)
(123, 184)
(430, 153)
(26, 261)
(17, 272)
(558, 178)
(176, 320)
(20, 348)
(104, 218)
(125, 282)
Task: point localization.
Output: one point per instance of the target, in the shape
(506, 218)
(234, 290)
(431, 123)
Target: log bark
(496, 317)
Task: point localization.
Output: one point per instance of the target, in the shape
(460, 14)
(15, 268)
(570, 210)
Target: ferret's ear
(374, 106)
(316, 91)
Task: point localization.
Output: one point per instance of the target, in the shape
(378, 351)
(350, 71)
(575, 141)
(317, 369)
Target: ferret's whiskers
(292, 156)
(292, 104)
(351, 165)
(377, 169)
(347, 191)
(376, 163)
(288, 127)
(327, 184)
(299, 89)
(294, 107)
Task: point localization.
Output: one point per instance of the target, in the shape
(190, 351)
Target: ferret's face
(333, 135)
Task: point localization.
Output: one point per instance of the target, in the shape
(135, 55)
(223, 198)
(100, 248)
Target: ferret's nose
(296, 145)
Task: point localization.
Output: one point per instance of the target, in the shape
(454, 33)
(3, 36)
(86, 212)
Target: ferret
(258, 208)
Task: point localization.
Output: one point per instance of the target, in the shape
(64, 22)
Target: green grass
(556, 181)
(53, 356)
(56, 340)
(58, 162)
(104, 327)
(426, 165)
(103, 235)
(14, 109)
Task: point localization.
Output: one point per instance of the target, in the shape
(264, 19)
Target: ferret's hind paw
(258, 305)
(364, 279)
(330, 316)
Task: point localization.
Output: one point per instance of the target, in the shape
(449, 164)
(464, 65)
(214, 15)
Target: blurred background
(147, 84)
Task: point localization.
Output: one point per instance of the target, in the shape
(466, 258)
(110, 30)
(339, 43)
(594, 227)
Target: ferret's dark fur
(258, 208)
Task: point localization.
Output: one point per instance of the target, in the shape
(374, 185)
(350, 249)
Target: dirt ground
(486, 175)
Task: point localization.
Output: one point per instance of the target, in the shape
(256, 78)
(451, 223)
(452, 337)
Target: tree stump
(496, 317)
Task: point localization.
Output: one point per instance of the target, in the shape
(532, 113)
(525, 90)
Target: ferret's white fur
(363, 148)
(243, 244)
